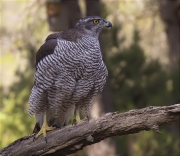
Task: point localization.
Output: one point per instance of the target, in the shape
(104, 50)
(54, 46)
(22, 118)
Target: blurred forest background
(141, 53)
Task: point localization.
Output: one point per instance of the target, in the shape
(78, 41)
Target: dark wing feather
(53, 36)
(51, 41)
(48, 47)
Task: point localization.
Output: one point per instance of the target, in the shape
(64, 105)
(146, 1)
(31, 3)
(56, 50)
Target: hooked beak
(108, 24)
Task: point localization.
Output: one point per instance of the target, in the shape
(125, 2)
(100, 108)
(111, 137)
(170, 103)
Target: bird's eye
(95, 21)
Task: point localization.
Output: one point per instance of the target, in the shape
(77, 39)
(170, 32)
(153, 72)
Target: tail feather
(36, 128)
(37, 101)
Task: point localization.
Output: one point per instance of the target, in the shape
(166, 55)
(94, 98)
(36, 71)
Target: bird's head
(92, 25)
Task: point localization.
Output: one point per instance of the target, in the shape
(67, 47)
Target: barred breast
(72, 75)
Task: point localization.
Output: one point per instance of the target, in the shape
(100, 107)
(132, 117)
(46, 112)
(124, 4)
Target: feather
(69, 72)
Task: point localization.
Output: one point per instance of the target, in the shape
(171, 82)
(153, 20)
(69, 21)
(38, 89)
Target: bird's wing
(42, 80)
(48, 47)
(51, 42)
(53, 86)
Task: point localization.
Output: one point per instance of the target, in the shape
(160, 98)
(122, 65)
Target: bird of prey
(69, 72)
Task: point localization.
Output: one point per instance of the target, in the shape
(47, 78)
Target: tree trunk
(170, 14)
(71, 139)
(63, 14)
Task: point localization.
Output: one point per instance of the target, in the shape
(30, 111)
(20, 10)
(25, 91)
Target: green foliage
(15, 122)
(19, 56)
(137, 82)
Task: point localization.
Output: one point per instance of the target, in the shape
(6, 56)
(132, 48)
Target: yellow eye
(95, 21)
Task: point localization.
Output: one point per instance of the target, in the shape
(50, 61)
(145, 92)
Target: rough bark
(107, 147)
(73, 138)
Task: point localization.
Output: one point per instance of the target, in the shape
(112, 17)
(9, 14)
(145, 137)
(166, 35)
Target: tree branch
(70, 139)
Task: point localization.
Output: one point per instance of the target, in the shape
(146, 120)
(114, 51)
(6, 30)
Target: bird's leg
(44, 128)
(86, 118)
(77, 116)
(78, 120)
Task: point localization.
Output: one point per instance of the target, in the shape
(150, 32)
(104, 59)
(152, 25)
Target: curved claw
(74, 122)
(87, 117)
(56, 126)
(77, 119)
(43, 131)
(45, 139)
(34, 138)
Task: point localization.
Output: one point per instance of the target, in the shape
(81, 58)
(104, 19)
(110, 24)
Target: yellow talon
(77, 116)
(44, 128)
(78, 120)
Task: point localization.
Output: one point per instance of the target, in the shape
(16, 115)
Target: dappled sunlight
(23, 31)
(144, 17)
(136, 53)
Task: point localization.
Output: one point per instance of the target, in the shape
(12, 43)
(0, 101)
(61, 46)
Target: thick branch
(73, 138)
